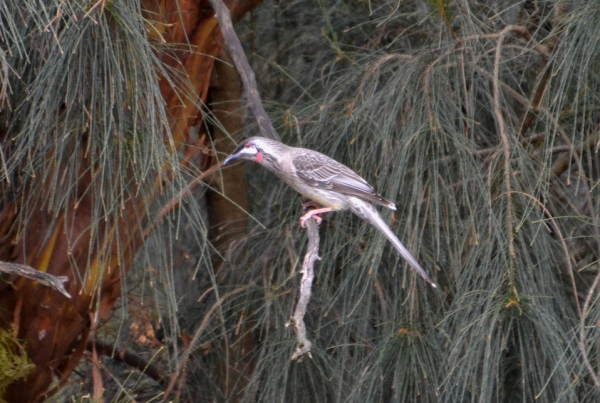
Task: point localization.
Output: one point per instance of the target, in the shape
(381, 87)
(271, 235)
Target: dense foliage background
(480, 120)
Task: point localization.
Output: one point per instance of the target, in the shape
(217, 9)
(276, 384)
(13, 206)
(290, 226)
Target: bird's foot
(314, 214)
(308, 215)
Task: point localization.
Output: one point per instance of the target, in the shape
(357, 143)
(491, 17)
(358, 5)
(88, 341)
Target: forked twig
(303, 345)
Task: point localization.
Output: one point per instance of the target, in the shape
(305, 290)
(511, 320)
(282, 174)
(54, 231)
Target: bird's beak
(230, 158)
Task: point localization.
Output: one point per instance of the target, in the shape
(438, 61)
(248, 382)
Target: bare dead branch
(304, 345)
(234, 46)
(49, 280)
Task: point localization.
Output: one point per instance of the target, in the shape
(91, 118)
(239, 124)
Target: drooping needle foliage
(480, 120)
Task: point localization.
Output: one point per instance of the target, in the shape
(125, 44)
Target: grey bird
(325, 181)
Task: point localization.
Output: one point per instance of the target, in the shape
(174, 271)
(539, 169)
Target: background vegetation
(480, 120)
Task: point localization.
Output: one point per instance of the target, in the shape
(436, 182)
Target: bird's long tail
(368, 213)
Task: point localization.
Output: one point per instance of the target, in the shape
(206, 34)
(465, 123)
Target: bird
(325, 181)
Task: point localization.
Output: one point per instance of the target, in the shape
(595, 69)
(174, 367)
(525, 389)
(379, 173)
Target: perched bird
(325, 181)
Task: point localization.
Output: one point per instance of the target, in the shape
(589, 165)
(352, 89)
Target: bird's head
(258, 149)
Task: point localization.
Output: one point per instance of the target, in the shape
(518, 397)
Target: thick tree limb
(241, 63)
(304, 345)
(49, 280)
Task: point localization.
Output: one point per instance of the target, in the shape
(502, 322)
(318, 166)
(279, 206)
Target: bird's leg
(309, 205)
(315, 214)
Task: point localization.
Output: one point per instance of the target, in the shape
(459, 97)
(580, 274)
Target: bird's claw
(315, 214)
(308, 215)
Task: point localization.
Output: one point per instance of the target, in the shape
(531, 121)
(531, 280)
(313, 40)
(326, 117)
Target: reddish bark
(55, 328)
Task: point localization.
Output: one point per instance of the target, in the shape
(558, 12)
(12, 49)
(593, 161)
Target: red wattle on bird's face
(259, 157)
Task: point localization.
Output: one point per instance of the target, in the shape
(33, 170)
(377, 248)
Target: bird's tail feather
(368, 213)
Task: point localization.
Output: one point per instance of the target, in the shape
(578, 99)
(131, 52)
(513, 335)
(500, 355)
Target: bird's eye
(248, 145)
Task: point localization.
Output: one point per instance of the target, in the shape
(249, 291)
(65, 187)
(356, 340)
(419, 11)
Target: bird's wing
(322, 172)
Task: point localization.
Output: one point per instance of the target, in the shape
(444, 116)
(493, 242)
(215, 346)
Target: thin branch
(188, 351)
(505, 144)
(555, 170)
(234, 46)
(129, 358)
(56, 282)
(426, 85)
(304, 345)
(369, 75)
(581, 312)
(543, 50)
(568, 256)
(175, 201)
